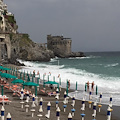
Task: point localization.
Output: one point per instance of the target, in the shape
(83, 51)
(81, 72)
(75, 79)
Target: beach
(19, 113)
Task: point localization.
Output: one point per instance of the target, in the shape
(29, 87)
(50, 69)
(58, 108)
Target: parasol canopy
(50, 82)
(18, 81)
(30, 84)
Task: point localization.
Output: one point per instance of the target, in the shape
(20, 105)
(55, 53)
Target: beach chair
(48, 92)
(51, 93)
(7, 86)
(4, 99)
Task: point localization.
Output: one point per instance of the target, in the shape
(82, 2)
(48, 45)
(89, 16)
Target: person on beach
(68, 84)
(33, 73)
(88, 85)
(58, 75)
(92, 86)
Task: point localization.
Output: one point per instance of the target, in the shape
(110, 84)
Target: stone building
(5, 44)
(59, 45)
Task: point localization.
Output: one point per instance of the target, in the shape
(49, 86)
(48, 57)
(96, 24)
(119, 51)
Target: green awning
(30, 84)
(6, 75)
(51, 82)
(18, 81)
(6, 69)
(2, 68)
(0, 72)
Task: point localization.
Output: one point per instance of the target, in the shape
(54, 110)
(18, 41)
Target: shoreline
(101, 116)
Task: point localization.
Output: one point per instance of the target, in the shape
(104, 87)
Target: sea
(101, 67)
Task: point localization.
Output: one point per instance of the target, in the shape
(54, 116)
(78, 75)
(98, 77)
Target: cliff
(24, 48)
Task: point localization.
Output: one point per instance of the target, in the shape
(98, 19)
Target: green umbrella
(31, 84)
(6, 69)
(18, 81)
(51, 82)
(12, 76)
(1, 67)
(6, 75)
(0, 72)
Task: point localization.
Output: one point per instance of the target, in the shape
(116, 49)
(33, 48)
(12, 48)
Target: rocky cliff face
(25, 49)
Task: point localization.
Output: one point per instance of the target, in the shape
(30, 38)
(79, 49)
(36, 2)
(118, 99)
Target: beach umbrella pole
(67, 88)
(76, 85)
(85, 87)
(96, 90)
(2, 90)
(35, 90)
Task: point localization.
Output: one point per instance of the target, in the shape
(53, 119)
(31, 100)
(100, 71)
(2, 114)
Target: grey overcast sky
(93, 25)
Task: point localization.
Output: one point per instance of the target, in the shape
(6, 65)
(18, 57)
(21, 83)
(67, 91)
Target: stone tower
(59, 45)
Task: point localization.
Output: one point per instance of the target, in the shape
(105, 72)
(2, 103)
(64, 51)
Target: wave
(112, 65)
(88, 57)
(105, 83)
(53, 60)
(26, 63)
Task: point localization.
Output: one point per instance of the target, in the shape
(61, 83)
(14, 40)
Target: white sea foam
(88, 57)
(106, 85)
(81, 76)
(53, 60)
(112, 65)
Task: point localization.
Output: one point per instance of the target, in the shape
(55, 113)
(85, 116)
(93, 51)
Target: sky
(93, 25)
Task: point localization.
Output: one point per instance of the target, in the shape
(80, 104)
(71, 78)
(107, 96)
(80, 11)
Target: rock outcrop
(62, 47)
(77, 54)
(24, 48)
